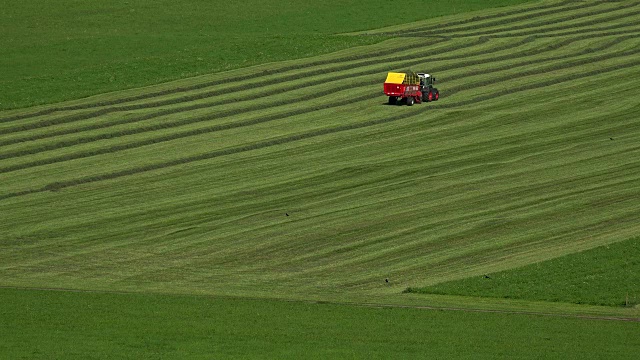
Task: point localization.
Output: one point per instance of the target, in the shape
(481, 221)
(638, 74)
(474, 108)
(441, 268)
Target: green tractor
(429, 93)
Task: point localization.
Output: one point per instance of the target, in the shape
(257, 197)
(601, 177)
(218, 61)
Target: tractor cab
(429, 93)
(426, 81)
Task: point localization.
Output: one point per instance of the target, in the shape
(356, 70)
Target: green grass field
(608, 275)
(294, 180)
(68, 49)
(53, 324)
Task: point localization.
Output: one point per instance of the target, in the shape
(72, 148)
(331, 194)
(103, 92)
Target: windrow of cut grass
(323, 92)
(249, 75)
(67, 50)
(506, 20)
(559, 22)
(233, 109)
(258, 82)
(298, 180)
(276, 116)
(185, 99)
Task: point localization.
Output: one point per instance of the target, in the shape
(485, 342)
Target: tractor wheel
(410, 100)
(424, 97)
(430, 96)
(392, 100)
(437, 95)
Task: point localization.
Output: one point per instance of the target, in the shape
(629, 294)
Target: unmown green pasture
(295, 180)
(608, 275)
(54, 324)
(63, 50)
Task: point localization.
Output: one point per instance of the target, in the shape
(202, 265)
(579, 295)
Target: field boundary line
(497, 311)
(342, 303)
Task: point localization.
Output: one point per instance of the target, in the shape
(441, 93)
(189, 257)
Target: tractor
(409, 88)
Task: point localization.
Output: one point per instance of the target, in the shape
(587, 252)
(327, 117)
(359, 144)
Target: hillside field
(139, 326)
(608, 275)
(68, 49)
(293, 184)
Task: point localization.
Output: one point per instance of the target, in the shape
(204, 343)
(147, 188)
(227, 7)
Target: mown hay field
(295, 180)
(69, 49)
(530, 154)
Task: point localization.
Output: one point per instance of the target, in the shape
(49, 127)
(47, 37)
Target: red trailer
(410, 88)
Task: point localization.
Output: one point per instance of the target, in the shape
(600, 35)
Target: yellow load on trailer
(395, 78)
(402, 78)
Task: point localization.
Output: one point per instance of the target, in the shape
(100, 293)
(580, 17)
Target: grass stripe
(530, 155)
(278, 116)
(276, 103)
(297, 137)
(503, 19)
(566, 22)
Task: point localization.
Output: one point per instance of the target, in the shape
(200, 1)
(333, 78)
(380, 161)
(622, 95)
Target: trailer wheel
(392, 100)
(410, 100)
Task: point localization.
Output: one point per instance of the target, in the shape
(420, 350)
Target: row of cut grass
(69, 50)
(144, 140)
(501, 172)
(269, 199)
